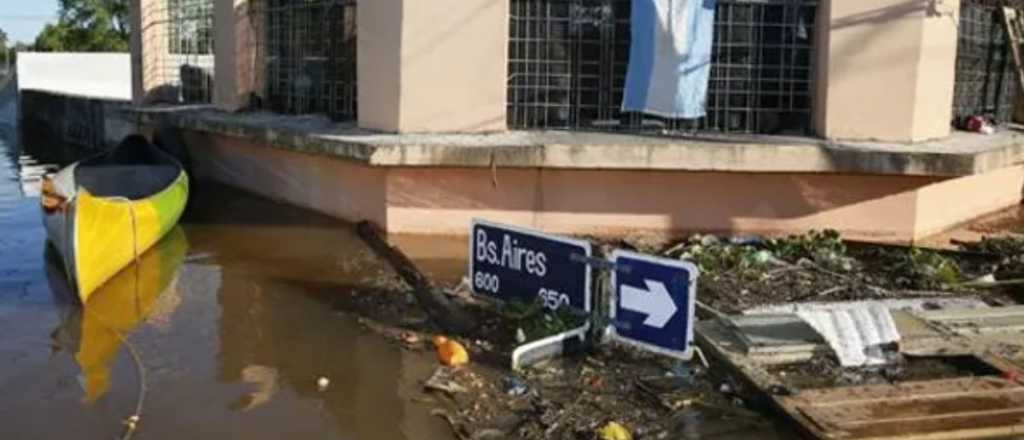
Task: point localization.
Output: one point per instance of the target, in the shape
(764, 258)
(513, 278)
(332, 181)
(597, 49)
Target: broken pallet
(961, 408)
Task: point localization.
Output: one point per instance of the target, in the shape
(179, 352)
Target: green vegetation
(3, 47)
(87, 26)
(536, 322)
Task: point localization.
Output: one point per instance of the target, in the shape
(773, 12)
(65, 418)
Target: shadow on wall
(195, 86)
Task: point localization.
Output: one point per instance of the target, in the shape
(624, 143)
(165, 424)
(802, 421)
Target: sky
(23, 19)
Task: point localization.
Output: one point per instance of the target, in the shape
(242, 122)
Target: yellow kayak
(104, 212)
(95, 334)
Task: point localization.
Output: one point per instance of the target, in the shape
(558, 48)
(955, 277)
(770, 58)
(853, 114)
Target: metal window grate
(190, 29)
(985, 83)
(186, 69)
(568, 62)
(311, 57)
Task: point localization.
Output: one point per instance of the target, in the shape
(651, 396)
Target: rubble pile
(579, 395)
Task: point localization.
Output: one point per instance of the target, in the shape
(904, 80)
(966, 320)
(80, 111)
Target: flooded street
(258, 320)
(233, 318)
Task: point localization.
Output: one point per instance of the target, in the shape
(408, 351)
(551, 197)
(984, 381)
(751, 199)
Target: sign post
(512, 264)
(653, 304)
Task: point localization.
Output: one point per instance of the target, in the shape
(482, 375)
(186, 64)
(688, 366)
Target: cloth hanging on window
(670, 57)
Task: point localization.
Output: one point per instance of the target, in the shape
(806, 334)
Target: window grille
(568, 62)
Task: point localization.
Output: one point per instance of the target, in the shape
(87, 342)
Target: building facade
(820, 113)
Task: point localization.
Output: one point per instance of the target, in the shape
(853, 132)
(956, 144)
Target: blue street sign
(508, 263)
(654, 303)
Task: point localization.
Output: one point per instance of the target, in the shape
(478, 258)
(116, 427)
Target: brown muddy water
(232, 333)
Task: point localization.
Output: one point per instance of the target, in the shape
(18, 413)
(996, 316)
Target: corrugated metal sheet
(856, 334)
(857, 331)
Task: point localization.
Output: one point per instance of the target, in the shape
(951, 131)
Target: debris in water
(980, 125)
(514, 386)
(449, 352)
(984, 279)
(615, 431)
(410, 338)
(444, 381)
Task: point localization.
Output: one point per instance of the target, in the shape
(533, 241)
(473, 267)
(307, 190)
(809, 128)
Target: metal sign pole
(604, 296)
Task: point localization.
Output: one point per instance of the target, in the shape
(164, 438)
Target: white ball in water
(322, 383)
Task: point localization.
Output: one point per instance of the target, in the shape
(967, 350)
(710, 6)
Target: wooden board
(961, 408)
(967, 322)
(940, 409)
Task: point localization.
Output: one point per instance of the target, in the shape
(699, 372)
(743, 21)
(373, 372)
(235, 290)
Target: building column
(238, 65)
(149, 47)
(432, 66)
(886, 69)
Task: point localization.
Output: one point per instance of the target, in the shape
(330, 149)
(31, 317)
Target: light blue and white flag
(670, 57)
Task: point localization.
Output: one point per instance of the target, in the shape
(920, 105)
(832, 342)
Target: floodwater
(231, 319)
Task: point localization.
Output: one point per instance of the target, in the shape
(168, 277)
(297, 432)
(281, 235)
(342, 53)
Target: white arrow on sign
(655, 302)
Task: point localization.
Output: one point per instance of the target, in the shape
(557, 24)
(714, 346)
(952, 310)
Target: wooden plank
(940, 409)
(960, 408)
(984, 326)
(971, 314)
(983, 426)
(873, 393)
(960, 331)
(915, 408)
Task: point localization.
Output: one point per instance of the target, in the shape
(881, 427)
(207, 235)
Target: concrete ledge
(960, 155)
(442, 200)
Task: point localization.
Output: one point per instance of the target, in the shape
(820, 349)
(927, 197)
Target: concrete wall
(149, 47)
(92, 75)
(436, 66)
(239, 58)
(610, 203)
(334, 187)
(378, 64)
(88, 123)
(886, 69)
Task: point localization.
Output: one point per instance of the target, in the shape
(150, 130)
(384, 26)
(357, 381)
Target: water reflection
(95, 332)
(280, 269)
(233, 315)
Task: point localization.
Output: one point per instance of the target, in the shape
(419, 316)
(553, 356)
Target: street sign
(654, 303)
(508, 263)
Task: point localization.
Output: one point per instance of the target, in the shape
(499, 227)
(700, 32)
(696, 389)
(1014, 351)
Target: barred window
(311, 57)
(568, 63)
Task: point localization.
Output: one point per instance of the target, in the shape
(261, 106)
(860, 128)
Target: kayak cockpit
(135, 170)
(132, 182)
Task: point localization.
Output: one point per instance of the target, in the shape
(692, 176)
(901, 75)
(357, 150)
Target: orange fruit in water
(449, 352)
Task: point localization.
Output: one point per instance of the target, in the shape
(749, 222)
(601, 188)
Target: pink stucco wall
(443, 200)
(337, 188)
(615, 203)
(945, 204)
